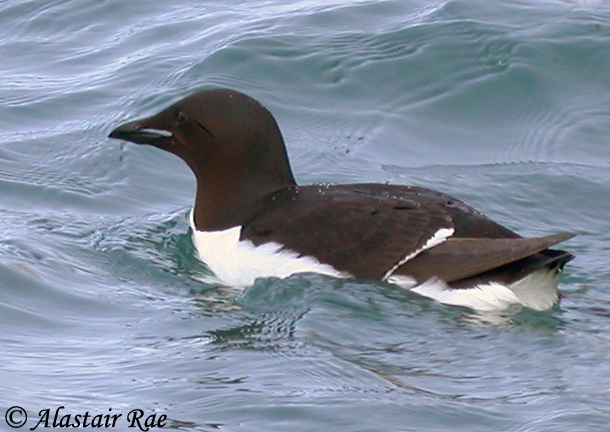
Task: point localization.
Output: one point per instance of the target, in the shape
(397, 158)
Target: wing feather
(374, 231)
(460, 258)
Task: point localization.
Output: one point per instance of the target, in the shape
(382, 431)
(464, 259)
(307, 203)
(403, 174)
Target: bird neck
(224, 205)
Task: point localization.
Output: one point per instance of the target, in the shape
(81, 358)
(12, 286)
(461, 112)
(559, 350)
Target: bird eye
(181, 118)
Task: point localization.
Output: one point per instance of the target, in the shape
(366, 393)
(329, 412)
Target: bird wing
(356, 231)
(374, 231)
(460, 258)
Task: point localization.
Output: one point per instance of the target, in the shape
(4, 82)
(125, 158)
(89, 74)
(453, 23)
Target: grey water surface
(504, 104)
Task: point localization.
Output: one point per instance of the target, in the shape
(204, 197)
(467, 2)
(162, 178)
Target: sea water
(504, 104)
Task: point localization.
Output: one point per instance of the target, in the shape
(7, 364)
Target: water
(503, 104)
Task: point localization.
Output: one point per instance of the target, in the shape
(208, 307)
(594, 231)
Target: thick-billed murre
(251, 219)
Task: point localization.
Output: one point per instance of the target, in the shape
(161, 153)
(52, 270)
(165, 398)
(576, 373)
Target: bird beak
(137, 132)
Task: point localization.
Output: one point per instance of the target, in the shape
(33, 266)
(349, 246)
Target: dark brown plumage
(235, 148)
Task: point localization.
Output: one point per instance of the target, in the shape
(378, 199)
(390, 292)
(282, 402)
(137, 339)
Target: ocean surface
(504, 104)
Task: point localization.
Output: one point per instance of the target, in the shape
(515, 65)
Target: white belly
(239, 263)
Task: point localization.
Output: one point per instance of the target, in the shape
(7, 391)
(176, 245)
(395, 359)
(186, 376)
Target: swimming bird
(250, 218)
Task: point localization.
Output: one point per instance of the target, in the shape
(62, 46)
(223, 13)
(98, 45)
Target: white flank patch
(405, 282)
(239, 263)
(440, 236)
(484, 297)
(537, 291)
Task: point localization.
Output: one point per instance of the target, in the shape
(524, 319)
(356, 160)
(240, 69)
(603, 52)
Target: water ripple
(500, 103)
